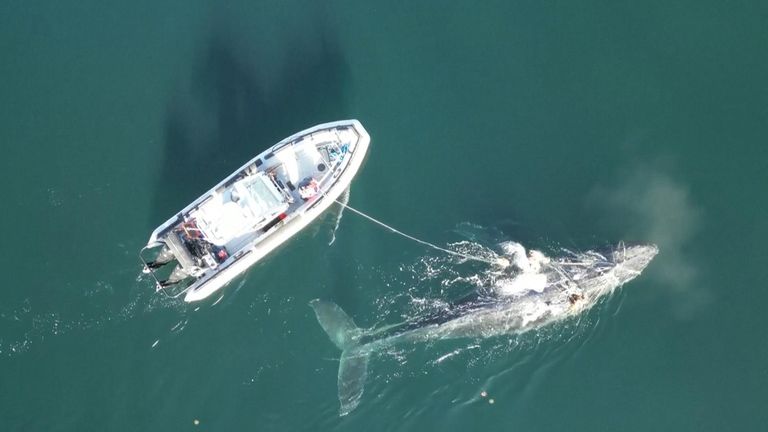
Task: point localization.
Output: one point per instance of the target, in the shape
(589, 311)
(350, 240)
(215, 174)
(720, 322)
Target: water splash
(27, 324)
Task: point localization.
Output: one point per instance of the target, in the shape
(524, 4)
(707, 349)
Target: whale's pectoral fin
(353, 370)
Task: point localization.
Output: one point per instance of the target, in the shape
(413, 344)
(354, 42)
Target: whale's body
(574, 284)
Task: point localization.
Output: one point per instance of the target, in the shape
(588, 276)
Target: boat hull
(213, 280)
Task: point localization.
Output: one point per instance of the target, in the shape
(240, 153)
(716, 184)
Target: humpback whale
(572, 284)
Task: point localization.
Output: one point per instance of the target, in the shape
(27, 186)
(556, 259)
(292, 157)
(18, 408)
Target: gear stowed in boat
(254, 210)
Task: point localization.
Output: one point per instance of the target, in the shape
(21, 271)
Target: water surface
(553, 124)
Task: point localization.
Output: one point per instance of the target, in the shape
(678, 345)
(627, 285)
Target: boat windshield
(259, 195)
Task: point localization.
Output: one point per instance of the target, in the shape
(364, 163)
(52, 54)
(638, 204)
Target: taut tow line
(501, 262)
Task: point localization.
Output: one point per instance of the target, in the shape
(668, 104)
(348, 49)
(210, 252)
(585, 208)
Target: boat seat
(289, 167)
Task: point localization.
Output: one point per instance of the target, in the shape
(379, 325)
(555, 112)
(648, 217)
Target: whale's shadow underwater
(538, 291)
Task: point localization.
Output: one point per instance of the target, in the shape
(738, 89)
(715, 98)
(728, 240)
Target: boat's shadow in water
(238, 102)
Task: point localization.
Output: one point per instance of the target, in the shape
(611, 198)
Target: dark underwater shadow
(240, 100)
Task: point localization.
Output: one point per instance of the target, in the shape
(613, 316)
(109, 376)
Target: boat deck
(298, 170)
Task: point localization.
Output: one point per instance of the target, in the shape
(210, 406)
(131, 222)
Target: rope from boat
(502, 262)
